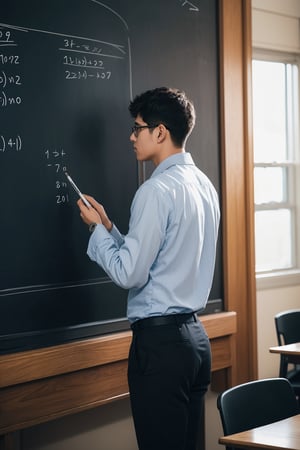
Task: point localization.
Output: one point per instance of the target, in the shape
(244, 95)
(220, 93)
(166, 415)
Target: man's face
(144, 140)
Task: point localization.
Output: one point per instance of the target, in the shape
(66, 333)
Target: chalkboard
(68, 69)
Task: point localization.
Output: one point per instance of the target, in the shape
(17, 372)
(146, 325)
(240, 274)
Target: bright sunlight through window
(276, 158)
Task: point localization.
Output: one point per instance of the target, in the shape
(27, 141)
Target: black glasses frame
(136, 128)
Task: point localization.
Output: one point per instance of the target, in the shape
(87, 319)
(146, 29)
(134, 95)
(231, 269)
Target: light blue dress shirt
(167, 258)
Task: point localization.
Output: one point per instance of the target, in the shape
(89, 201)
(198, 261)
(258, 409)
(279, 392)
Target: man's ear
(162, 131)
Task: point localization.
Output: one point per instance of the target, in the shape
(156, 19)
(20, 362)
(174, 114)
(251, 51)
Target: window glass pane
(269, 184)
(269, 111)
(273, 240)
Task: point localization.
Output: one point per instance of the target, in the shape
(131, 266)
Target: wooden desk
(292, 351)
(289, 349)
(282, 435)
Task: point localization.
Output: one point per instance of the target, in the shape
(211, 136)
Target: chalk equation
(95, 57)
(9, 59)
(85, 55)
(56, 163)
(10, 143)
(83, 47)
(9, 79)
(8, 100)
(85, 75)
(8, 62)
(5, 38)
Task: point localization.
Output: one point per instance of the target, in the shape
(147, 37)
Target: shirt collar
(176, 159)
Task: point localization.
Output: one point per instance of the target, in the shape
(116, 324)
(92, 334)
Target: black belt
(155, 321)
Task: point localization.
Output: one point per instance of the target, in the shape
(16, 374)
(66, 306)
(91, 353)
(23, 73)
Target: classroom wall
(110, 427)
(270, 16)
(269, 303)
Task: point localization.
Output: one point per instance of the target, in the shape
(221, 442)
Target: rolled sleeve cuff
(99, 235)
(115, 233)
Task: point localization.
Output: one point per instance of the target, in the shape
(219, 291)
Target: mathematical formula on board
(79, 59)
(97, 62)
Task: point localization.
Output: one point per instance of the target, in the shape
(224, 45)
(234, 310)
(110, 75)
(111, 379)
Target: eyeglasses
(137, 128)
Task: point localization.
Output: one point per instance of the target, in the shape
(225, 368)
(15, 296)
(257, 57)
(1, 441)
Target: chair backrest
(256, 403)
(287, 325)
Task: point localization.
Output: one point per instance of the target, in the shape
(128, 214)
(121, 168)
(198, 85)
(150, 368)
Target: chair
(255, 404)
(287, 325)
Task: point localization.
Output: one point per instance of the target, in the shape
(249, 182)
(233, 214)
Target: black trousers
(168, 374)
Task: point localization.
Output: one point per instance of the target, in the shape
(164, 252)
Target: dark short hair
(168, 106)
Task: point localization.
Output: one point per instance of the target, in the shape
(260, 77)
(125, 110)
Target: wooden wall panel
(237, 172)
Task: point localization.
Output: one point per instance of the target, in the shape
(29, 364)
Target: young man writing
(166, 260)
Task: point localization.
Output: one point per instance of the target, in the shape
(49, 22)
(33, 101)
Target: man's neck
(166, 153)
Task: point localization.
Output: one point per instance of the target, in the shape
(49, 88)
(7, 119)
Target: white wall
(269, 303)
(275, 26)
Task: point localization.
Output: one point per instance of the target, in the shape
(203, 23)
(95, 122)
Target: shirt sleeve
(115, 233)
(128, 259)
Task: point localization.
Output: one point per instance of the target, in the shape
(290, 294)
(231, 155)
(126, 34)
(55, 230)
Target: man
(166, 261)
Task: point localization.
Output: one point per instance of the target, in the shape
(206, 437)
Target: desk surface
(284, 434)
(290, 349)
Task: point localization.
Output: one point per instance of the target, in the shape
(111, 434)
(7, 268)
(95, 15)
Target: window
(276, 166)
